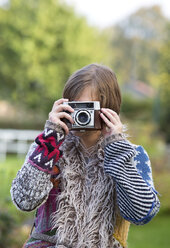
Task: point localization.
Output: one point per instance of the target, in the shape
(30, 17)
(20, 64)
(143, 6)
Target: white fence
(16, 141)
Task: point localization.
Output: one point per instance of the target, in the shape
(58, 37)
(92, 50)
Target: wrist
(113, 138)
(55, 127)
(47, 152)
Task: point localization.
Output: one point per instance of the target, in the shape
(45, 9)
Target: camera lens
(83, 118)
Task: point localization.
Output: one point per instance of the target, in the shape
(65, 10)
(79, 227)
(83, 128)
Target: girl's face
(87, 95)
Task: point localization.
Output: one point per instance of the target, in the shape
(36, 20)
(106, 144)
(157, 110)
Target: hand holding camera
(112, 121)
(85, 115)
(61, 111)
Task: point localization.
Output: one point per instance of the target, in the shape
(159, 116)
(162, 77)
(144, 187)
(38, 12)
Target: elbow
(24, 206)
(148, 216)
(152, 212)
(27, 206)
(22, 203)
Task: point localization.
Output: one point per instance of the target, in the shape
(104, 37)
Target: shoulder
(141, 156)
(142, 163)
(140, 152)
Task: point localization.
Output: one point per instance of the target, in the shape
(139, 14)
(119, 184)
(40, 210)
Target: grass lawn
(155, 234)
(8, 170)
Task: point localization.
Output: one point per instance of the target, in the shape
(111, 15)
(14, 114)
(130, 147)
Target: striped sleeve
(130, 168)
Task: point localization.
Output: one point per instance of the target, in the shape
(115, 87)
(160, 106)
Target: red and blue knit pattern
(47, 153)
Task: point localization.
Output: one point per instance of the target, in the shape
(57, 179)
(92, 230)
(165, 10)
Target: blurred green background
(41, 44)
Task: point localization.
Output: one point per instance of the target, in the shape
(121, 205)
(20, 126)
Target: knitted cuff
(53, 126)
(114, 137)
(47, 152)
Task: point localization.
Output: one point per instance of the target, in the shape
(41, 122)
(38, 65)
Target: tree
(135, 43)
(164, 85)
(41, 44)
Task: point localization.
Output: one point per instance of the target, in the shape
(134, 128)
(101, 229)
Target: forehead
(87, 94)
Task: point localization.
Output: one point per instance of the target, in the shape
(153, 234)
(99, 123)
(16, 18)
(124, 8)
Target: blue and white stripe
(129, 165)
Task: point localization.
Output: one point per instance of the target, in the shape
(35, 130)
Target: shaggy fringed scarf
(85, 214)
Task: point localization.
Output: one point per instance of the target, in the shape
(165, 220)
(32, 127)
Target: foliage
(140, 50)
(164, 85)
(41, 44)
(6, 225)
(8, 170)
(136, 108)
(162, 184)
(135, 45)
(11, 219)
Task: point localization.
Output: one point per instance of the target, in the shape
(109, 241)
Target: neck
(90, 138)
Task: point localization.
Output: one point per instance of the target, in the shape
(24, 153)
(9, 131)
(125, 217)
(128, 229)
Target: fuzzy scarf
(85, 213)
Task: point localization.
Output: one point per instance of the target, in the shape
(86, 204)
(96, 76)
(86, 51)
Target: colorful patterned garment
(33, 243)
(126, 164)
(136, 196)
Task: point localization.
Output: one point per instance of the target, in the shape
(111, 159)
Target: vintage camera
(86, 115)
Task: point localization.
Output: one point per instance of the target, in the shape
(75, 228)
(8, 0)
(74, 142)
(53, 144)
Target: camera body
(86, 115)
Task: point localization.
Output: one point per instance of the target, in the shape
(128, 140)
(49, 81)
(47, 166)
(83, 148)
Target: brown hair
(102, 79)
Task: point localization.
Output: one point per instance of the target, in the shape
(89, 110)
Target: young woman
(87, 186)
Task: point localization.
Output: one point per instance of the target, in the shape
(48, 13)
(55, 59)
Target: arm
(130, 168)
(32, 184)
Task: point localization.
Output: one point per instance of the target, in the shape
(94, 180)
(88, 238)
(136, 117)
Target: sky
(103, 13)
